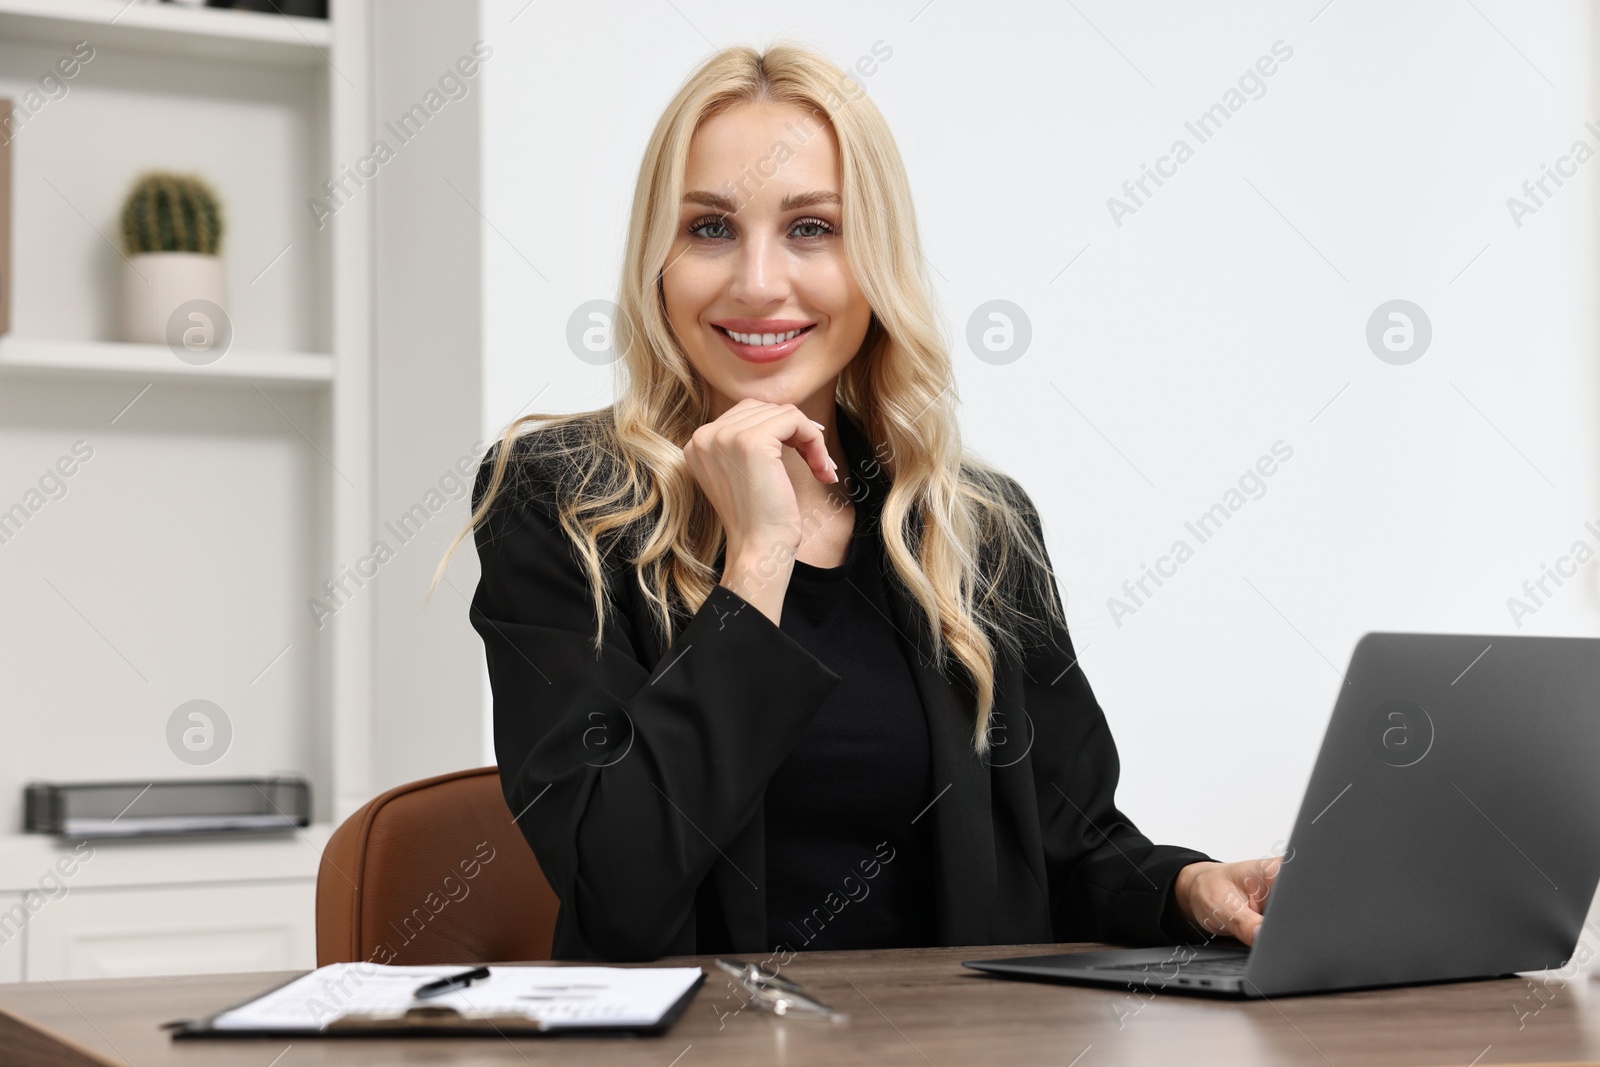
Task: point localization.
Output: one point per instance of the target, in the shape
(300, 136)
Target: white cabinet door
(13, 936)
(122, 933)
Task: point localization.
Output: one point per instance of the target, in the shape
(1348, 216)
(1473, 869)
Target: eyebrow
(791, 202)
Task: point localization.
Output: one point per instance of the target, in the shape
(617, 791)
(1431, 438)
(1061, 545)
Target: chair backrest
(433, 872)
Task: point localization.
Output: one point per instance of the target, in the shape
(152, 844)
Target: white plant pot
(156, 284)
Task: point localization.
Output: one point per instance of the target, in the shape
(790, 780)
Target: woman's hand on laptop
(1226, 898)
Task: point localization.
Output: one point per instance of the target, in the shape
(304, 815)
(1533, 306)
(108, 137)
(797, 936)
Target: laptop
(1450, 831)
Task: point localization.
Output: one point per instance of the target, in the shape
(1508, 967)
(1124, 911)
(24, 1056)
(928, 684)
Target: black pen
(450, 982)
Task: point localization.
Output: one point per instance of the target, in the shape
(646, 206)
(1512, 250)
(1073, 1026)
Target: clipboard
(424, 1019)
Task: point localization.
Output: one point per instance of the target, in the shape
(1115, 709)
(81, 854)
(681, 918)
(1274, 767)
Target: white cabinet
(182, 906)
(121, 933)
(13, 938)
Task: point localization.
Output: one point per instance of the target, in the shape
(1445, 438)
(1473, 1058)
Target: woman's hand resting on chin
(738, 459)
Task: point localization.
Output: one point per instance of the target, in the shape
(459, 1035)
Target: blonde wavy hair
(957, 531)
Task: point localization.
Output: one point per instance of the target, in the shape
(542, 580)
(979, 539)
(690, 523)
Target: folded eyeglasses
(772, 992)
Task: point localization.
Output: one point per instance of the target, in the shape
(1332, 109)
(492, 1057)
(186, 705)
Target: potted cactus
(172, 235)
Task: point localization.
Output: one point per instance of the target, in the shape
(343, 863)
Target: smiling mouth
(763, 339)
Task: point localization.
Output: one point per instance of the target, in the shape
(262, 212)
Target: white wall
(1229, 312)
(427, 661)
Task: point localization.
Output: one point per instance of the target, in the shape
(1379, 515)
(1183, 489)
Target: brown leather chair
(433, 871)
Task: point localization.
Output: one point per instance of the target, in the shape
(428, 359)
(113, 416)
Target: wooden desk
(907, 1006)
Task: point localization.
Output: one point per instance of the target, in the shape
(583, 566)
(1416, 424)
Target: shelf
(170, 29)
(165, 861)
(27, 356)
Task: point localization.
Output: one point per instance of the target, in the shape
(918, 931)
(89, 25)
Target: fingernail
(818, 425)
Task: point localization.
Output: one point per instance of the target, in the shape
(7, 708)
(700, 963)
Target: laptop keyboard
(1230, 966)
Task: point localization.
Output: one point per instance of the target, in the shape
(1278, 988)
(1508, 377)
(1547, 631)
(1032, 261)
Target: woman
(776, 664)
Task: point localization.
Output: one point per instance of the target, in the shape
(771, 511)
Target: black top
(849, 860)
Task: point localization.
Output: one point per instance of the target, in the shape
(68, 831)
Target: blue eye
(712, 222)
(819, 223)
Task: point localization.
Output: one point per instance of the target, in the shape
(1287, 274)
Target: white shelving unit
(177, 563)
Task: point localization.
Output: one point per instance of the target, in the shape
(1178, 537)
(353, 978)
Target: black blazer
(637, 776)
